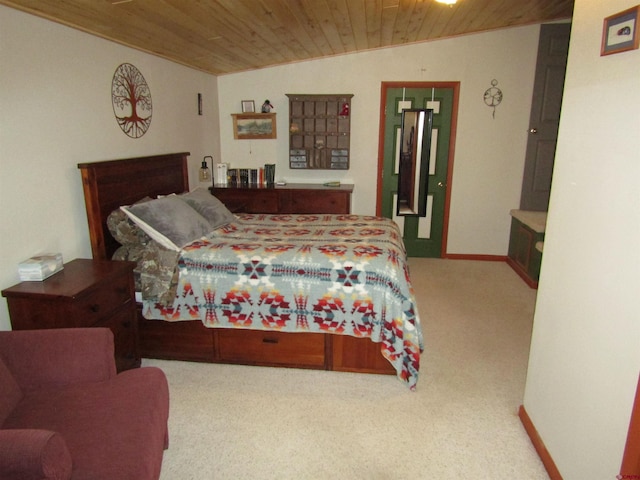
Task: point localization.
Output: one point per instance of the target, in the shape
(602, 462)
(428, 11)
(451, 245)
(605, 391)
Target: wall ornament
(493, 96)
(131, 99)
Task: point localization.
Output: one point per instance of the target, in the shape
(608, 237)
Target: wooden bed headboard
(108, 185)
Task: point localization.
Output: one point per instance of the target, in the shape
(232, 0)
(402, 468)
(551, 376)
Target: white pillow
(169, 221)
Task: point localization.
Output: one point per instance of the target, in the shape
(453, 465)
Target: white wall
(55, 112)
(489, 156)
(585, 352)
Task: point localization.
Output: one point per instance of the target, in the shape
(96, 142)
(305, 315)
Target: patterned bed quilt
(339, 274)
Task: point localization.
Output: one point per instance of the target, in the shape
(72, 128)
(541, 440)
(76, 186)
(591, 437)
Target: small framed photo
(248, 106)
(620, 32)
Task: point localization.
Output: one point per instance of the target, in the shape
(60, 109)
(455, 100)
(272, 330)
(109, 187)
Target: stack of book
(246, 177)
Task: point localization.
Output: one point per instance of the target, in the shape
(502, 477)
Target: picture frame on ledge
(254, 126)
(620, 32)
(248, 106)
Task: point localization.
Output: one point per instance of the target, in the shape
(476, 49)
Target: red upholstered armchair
(65, 413)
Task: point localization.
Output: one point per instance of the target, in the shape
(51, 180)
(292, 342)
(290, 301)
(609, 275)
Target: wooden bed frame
(110, 184)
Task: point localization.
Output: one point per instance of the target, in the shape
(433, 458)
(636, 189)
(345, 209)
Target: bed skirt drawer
(187, 341)
(257, 347)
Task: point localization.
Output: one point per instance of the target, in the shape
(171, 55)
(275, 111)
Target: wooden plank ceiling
(226, 36)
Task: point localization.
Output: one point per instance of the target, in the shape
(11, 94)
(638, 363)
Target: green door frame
(455, 86)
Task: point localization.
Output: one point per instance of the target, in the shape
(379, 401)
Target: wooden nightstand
(86, 293)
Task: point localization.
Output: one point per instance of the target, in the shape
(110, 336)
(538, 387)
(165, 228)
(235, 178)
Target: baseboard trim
(538, 444)
(484, 258)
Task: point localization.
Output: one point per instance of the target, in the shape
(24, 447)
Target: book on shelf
(244, 176)
(234, 176)
(269, 173)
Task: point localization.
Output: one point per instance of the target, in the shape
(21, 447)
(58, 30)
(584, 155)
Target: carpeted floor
(238, 422)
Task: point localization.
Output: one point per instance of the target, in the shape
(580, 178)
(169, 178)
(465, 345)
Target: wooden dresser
(292, 198)
(86, 293)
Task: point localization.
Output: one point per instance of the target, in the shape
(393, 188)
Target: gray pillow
(209, 207)
(170, 221)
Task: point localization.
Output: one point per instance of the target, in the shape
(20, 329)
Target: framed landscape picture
(254, 126)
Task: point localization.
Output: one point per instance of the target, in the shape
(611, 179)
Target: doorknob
(533, 130)
(441, 185)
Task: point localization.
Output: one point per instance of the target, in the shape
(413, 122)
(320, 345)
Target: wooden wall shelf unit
(319, 131)
(292, 198)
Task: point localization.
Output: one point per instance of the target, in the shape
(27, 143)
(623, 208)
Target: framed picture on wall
(620, 32)
(254, 126)
(248, 106)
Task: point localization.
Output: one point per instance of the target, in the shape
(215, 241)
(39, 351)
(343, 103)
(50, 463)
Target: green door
(423, 236)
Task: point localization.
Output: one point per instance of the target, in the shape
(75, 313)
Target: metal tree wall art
(493, 96)
(131, 98)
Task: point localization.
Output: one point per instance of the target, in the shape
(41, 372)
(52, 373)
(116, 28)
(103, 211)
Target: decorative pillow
(155, 274)
(124, 230)
(209, 207)
(159, 274)
(169, 221)
(133, 253)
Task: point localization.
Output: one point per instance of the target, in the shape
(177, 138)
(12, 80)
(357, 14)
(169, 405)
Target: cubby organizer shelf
(319, 131)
